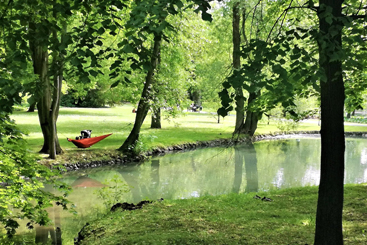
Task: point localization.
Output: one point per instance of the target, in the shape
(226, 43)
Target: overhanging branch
(285, 11)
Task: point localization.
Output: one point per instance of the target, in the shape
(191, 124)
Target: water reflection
(245, 154)
(50, 234)
(251, 169)
(260, 166)
(244, 168)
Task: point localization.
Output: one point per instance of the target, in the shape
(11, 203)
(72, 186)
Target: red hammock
(88, 142)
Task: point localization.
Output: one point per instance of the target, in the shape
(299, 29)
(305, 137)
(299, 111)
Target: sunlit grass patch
(229, 219)
(189, 127)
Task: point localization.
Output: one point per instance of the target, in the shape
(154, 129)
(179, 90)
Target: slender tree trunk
(56, 96)
(156, 118)
(143, 106)
(330, 200)
(240, 99)
(32, 107)
(252, 118)
(195, 96)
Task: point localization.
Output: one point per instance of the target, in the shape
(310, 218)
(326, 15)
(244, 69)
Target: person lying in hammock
(84, 134)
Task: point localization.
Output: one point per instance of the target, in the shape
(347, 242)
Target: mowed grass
(230, 219)
(189, 127)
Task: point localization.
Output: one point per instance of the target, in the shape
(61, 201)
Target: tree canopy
(155, 53)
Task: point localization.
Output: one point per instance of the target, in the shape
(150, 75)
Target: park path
(315, 121)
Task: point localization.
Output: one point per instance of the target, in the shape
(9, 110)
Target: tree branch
(253, 16)
(285, 11)
(6, 9)
(356, 17)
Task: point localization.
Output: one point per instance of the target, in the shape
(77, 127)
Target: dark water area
(262, 166)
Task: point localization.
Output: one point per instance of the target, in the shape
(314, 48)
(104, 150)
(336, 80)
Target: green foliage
(356, 119)
(144, 143)
(94, 98)
(114, 190)
(23, 180)
(278, 61)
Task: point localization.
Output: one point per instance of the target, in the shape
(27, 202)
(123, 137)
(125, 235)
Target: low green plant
(113, 191)
(144, 143)
(287, 125)
(356, 119)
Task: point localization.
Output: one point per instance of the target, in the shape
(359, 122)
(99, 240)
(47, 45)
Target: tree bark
(32, 107)
(196, 96)
(156, 118)
(40, 67)
(240, 99)
(252, 117)
(330, 199)
(56, 96)
(143, 105)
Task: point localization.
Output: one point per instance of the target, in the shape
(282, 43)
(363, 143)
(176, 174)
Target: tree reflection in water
(247, 153)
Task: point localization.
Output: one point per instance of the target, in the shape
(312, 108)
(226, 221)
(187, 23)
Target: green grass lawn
(187, 128)
(230, 219)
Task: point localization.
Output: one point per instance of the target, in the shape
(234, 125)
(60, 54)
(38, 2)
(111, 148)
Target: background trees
(139, 49)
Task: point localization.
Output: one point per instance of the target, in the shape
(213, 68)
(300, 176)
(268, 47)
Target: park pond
(261, 166)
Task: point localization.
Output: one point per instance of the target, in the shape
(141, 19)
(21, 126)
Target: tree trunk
(156, 118)
(252, 118)
(56, 96)
(40, 67)
(240, 99)
(143, 106)
(32, 107)
(196, 97)
(330, 200)
(348, 115)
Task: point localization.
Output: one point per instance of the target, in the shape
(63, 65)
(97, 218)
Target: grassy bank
(230, 219)
(188, 128)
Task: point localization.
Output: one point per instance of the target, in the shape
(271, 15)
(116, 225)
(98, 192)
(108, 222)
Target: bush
(23, 180)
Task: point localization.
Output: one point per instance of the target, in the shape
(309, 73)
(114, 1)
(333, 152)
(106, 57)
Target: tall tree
(330, 202)
(38, 30)
(240, 99)
(148, 19)
(143, 105)
(334, 61)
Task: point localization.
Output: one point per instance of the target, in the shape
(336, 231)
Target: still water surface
(265, 165)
